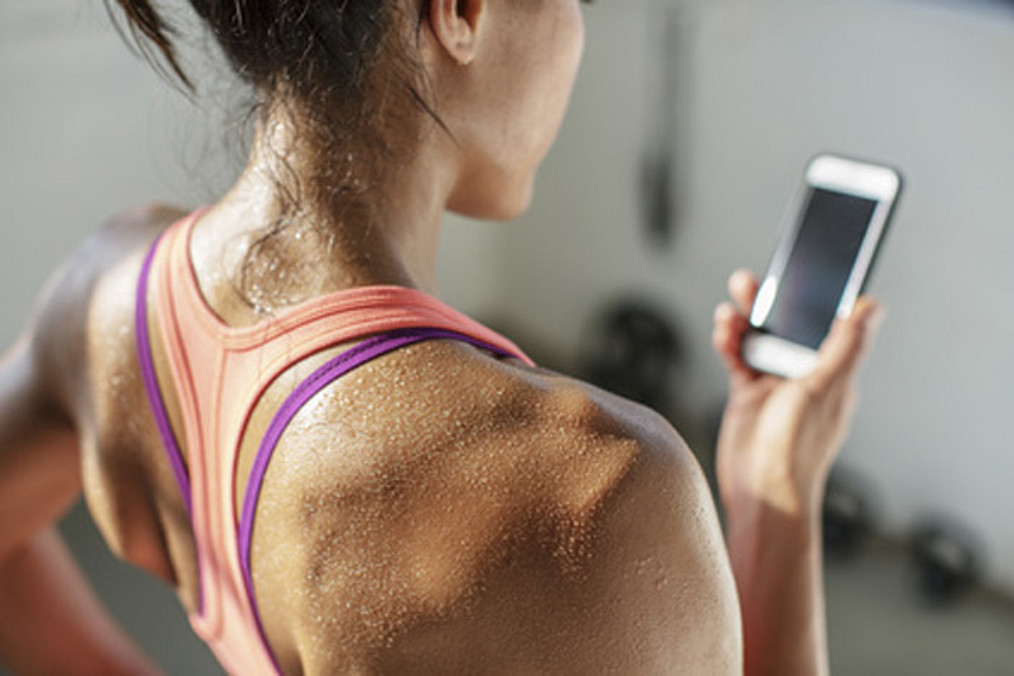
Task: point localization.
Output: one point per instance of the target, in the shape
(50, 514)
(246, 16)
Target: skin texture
(437, 510)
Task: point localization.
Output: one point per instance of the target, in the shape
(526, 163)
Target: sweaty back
(219, 374)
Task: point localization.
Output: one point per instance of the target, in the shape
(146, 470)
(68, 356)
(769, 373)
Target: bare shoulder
(120, 237)
(643, 579)
(515, 516)
(87, 294)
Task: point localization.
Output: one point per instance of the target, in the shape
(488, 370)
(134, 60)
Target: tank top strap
(259, 353)
(349, 316)
(364, 310)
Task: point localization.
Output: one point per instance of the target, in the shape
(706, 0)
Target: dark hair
(345, 70)
(316, 48)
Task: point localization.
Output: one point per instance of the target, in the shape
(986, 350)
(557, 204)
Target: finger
(743, 289)
(727, 337)
(723, 335)
(849, 340)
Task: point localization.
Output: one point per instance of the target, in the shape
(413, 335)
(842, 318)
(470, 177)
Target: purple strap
(144, 355)
(318, 380)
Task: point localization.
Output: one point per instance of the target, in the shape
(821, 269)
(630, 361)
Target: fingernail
(875, 315)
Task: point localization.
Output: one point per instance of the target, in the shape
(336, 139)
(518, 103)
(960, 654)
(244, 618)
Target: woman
(264, 405)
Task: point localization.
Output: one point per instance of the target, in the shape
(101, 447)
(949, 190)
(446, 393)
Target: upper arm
(664, 568)
(43, 382)
(626, 570)
(39, 474)
(651, 557)
(634, 577)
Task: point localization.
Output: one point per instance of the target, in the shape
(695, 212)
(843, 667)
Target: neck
(352, 224)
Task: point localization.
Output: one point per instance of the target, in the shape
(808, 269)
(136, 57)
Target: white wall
(768, 84)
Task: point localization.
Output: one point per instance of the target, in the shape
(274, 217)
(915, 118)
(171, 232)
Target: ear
(456, 24)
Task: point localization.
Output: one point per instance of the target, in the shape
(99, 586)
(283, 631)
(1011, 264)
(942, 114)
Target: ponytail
(149, 29)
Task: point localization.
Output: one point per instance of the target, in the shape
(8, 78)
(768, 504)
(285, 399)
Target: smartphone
(821, 263)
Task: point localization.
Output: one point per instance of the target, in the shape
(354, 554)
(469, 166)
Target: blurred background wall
(741, 93)
(761, 87)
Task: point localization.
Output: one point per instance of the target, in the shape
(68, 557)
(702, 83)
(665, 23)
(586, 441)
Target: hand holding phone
(821, 264)
(777, 442)
(779, 436)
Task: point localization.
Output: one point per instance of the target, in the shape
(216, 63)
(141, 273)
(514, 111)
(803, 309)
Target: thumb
(847, 343)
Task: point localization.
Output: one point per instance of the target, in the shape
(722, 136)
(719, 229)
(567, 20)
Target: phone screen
(826, 245)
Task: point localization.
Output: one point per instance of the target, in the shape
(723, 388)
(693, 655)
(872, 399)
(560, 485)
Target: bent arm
(663, 570)
(39, 475)
(50, 620)
(776, 446)
(52, 623)
(673, 531)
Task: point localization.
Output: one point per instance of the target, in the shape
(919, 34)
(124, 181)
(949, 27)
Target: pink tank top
(219, 373)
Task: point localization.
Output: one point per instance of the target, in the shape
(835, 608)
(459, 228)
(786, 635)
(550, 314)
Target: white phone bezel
(782, 357)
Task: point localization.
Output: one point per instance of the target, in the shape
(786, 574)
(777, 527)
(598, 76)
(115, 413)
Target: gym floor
(879, 624)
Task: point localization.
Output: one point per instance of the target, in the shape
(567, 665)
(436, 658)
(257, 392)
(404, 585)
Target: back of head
(317, 51)
(339, 86)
